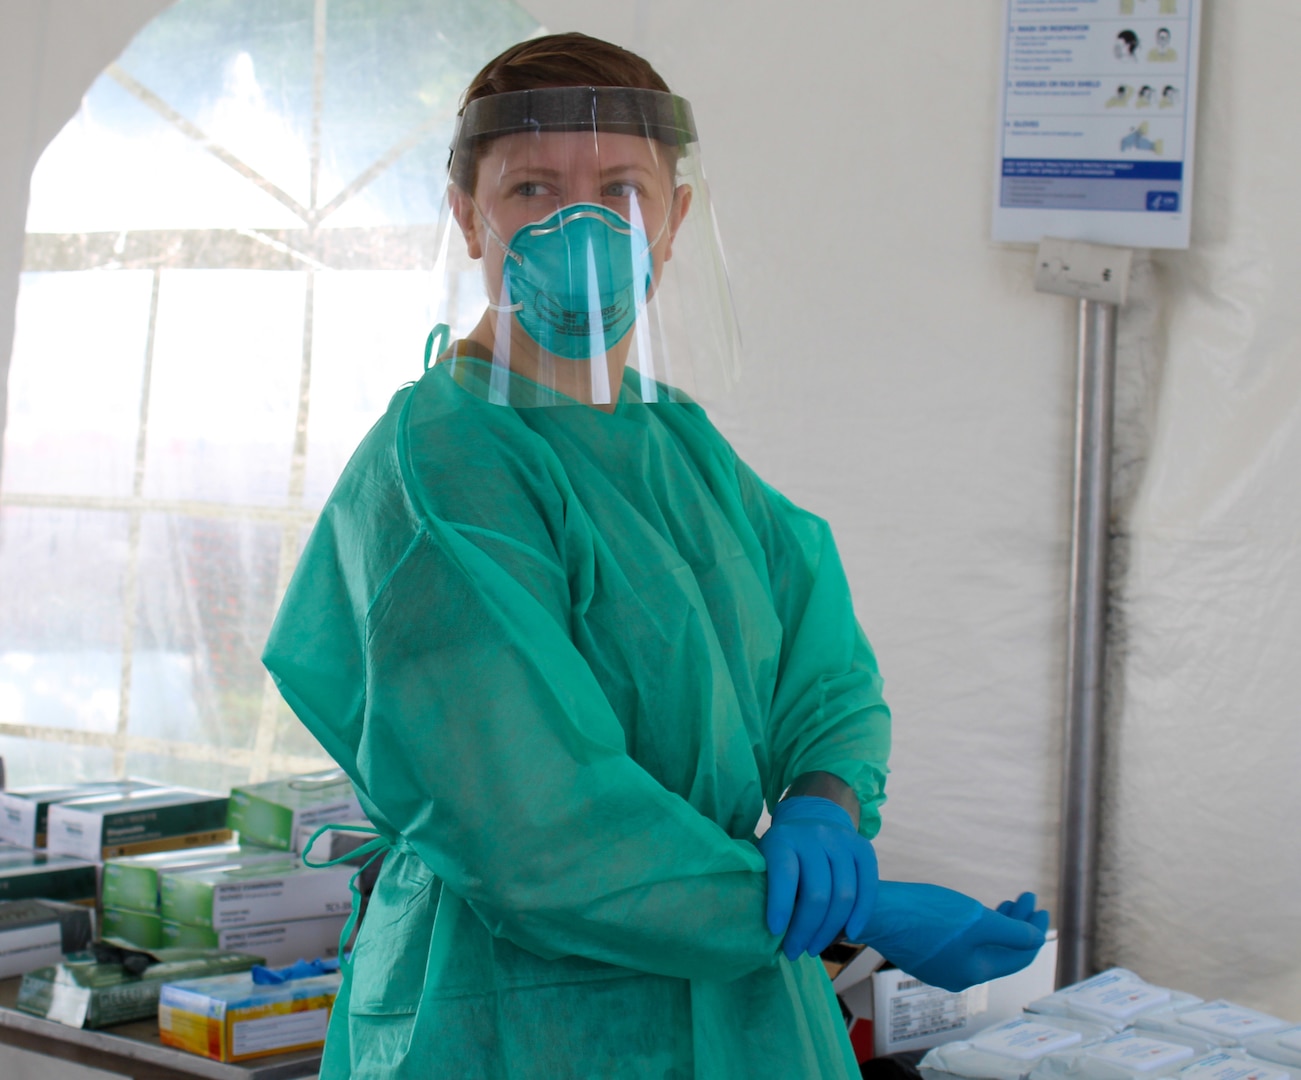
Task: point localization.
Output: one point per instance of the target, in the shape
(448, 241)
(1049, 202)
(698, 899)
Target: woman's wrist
(825, 785)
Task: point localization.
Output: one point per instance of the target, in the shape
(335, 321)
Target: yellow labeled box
(230, 1018)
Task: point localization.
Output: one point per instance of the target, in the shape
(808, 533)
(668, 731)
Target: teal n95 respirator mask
(578, 279)
(578, 255)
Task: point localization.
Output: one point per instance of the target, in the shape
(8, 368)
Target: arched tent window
(227, 274)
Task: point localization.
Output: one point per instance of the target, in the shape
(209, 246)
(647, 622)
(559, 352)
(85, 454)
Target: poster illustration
(1096, 121)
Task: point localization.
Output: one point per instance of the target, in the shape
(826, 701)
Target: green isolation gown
(566, 655)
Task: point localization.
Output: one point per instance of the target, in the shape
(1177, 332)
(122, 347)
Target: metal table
(134, 1049)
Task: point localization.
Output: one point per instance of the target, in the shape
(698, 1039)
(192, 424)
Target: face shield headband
(650, 114)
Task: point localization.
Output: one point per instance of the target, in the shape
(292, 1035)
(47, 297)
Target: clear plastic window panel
(227, 276)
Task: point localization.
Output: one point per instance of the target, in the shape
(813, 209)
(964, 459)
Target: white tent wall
(906, 383)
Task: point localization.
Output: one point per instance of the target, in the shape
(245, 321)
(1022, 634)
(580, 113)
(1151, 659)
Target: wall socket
(1087, 271)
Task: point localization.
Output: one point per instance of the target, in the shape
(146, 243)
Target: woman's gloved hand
(821, 874)
(949, 940)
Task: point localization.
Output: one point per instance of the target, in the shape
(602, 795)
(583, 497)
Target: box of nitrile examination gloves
(142, 929)
(280, 943)
(133, 882)
(231, 1018)
(36, 933)
(26, 875)
(273, 813)
(24, 813)
(890, 1012)
(260, 892)
(137, 822)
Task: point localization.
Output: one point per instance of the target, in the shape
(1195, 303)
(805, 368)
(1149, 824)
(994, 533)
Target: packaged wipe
(1231, 1065)
(1282, 1046)
(1008, 1051)
(1130, 1055)
(1116, 997)
(1220, 1022)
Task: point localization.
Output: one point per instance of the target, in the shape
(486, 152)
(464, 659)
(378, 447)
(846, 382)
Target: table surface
(138, 1042)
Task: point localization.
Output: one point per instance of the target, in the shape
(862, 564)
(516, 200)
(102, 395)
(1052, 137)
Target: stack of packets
(28, 872)
(131, 892)
(237, 1017)
(277, 907)
(35, 933)
(252, 897)
(24, 814)
(1115, 1026)
(113, 985)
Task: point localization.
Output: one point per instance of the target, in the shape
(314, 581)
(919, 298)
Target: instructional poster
(1096, 121)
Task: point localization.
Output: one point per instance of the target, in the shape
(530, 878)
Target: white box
(893, 1012)
(30, 948)
(278, 943)
(258, 892)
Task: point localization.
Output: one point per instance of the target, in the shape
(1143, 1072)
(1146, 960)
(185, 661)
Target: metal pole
(1086, 639)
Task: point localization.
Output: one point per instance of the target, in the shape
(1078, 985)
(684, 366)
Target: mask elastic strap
(505, 248)
(443, 333)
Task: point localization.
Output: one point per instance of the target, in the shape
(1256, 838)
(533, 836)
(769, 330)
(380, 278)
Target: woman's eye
(528, 189)
(620, 189)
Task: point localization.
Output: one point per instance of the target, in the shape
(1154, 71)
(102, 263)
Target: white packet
(1129, 1055)
(1220, 1023)
(1230, 1065)
(1283, 1047)
(1008, 1051)
(1115, 997)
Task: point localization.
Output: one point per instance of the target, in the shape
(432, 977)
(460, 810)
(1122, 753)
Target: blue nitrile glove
(299, 969)
(821, 874)
(949, 940)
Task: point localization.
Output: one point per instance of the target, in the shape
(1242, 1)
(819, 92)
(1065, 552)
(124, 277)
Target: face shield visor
(578, 253)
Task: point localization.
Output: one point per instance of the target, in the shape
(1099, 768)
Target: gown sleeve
(827, 711)
(482, 738)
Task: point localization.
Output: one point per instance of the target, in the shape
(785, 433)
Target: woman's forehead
(566, 151)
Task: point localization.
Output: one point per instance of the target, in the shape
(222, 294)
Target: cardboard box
(24, 813)
(27, 875)
(256, 893)
(889, 1012)
(143, 929)
(230, 1018)
(133, 883)
(36, 933)
(137, 822)
(281, 943)
(274, 813)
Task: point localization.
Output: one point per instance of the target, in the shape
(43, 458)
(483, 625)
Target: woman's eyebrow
(631, 166)
(532, 170)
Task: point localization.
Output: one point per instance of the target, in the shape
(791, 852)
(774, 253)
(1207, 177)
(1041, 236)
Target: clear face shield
(579, 255)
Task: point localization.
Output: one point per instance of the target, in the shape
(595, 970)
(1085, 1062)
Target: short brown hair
(541, 63)
(562, 60)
